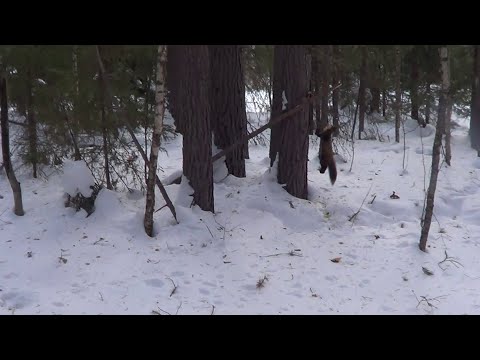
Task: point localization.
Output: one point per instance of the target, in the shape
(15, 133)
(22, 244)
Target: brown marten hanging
(326, 152)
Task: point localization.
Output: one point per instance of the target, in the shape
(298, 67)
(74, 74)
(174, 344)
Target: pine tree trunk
(311, 118)
(384, 91)
(325, 71)
(156, 137)
(414, 76)
(175, 95)
(375, 104)
(104, 130)
(197, 140)
(437, 144)
(475, 104)
(228, 112)
(293, 151)
(335, 85)
(31, 124)
(7, 163)
(448, 132)
(361, 92)
(278, 86)
(398, 92)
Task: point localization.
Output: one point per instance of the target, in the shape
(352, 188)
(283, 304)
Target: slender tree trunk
(428, 103)
(437, 143)
(145, 126)
(384, 92)
(31, 124)
(77, 155)
(398, 92)
(228, 112)
(104, 130)
(132, 134)
(7, 163)
(362, 101)
(414, 76)
(335, 84)
(448, 133)
(293, 152)
(375, 104)
(475, 104)
(156, 137)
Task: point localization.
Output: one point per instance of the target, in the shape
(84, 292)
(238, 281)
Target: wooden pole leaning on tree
(305, 102)
(134, 138)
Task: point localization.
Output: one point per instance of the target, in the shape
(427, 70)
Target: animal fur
(326, 152)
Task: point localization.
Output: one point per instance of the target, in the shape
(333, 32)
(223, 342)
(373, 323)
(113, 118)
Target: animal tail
(332, 171)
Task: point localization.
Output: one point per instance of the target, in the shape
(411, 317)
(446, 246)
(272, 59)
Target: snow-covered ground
(264, 252)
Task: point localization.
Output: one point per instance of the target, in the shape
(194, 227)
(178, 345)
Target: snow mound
(77, 178)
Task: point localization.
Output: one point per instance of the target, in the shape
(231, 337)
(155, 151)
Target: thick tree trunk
(311, 118)
(475, 104)
(361, 92)
(325, 71)
(197, 140)
(335, 84)
(175, 95)
(278, 86)
(7, 163)
(375, 104)
(293, 151)
(156, 137)
(228, 112)
(31, 124)
(398, 92)
(437, 144)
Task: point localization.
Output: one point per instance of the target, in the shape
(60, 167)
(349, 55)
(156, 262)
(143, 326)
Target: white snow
(284, 100)
(77, 178)
(54, 260)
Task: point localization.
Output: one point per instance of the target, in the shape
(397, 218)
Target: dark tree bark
(384, 91)
(375, 104)
(324, 72)
(228, 112)
(197, 140)
(311, 119)
(414, 77)
(375, 88)
(361, 92)
(101, 82)
(335, 84)
(293, 149)
(279, 62)
(398, 92)
(437, 144)
(7, 163)
(156, 137)
(475, 104)
(31, 123)
(175, 95)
